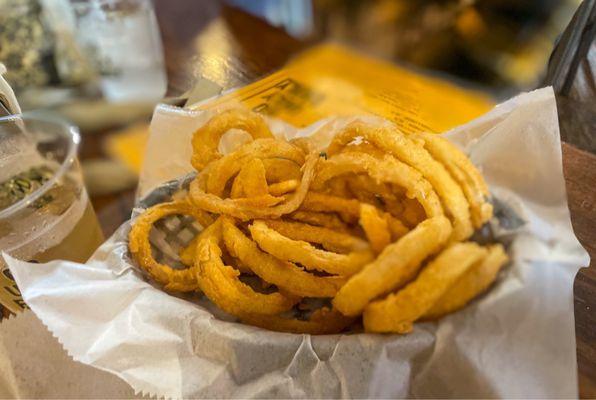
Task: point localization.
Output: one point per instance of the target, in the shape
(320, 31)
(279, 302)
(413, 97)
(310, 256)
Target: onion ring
(394, 267)
(339, 187)
(284, 275)
(265, 200)
(187, 255)
(283, 187)
(380, 194)
(474, 282)
(305, 143)
(412, 213)
(305, 254)
(464, 173)
(393, 141)
(328, 238)
(361, 146)
(206, 139)
(358, 188)
(375, 228)
(349, 209)
(250, 181)
(222, 170)
(398, 311)
(396, 227)
(256, 202)
(183, 280)
(322, 322)
(243, 209)
(281, 169)
(331, 221)
(221, 285)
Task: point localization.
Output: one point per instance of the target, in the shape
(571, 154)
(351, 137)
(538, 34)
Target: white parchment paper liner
(516, 341)
(33, 365)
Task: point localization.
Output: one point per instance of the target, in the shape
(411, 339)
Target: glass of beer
(45, 213)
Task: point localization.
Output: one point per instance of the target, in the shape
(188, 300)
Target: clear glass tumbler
(45, 213)
(122, 40)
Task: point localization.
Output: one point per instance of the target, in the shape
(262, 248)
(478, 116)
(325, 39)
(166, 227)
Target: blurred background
(57, 50)
(503, 45)
(104, 64)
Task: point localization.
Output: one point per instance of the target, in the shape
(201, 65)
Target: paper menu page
(333, 80)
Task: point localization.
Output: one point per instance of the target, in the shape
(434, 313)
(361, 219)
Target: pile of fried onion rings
(377, 225)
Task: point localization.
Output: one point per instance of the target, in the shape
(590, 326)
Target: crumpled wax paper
(517, 340)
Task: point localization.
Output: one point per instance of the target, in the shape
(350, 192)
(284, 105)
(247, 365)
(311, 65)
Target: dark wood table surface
(232, 48)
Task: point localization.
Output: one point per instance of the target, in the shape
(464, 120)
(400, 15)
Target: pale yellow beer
(45, 212)
(84, 238)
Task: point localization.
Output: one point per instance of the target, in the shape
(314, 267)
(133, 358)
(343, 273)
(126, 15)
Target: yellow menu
(333, 80)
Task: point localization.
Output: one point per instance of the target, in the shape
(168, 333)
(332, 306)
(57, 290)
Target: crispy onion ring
(328, 238)
(396, 227)
(375, 227)
(187, 255)
(464, 172)
(256, 202)
(391, 140)
(382, 195)
(339, 187)
(221, 285)
(349, 209)
(322, 322)
(242, 209)
(206, 139)
(183, 280)
(412, 213)
(284, 275)
(363, 147)
(282, 169)
(251, 181)
(359, 190)
(327, 220)
(212, 202)
(395, 266)
(398, 311)
(475, 281)
(305, 143)
(385, 169)
(283, 187)
(222, 170)
(304, 253)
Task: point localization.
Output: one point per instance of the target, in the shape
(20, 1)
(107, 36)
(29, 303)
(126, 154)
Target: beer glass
(45, 213)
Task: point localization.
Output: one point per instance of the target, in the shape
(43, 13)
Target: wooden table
(232, 48)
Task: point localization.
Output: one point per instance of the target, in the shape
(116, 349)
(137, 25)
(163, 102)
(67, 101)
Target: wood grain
(220, 43)
(580, 177)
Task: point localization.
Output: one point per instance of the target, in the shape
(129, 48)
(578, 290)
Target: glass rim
(68, 130)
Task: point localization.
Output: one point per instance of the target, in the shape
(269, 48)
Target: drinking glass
(122, 40)
(45, 212)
